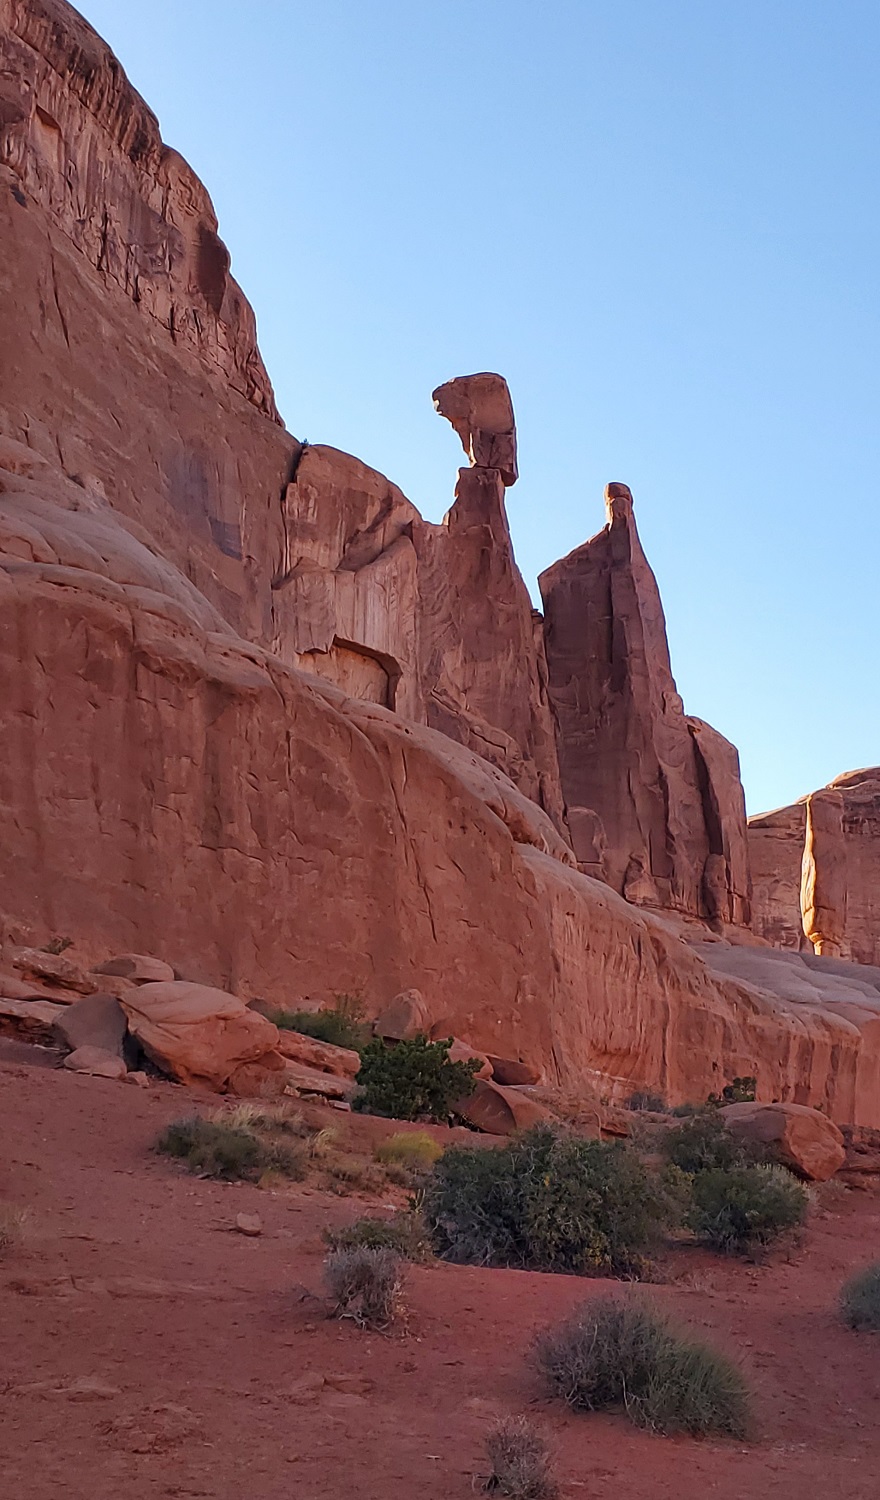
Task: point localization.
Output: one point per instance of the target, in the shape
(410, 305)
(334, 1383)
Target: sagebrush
(703, 1143)
(740, 1208)
(231, 1151)
(403, 1232)
(520, 1460)
(611, 1353)
(548, 1200)
(366, 1284)
(413, 1080)
(860, 1300)
(13, 1224)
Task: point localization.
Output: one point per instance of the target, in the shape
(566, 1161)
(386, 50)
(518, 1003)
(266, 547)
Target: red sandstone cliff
(173, 780)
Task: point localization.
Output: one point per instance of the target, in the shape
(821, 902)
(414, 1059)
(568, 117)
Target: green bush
(737, 1209)
(548, 1200)
(610, 1353)
(703, 1143)
(644, 1100)
(740, 1091)
(403, 1232)
(520, 1459)
(230, 1152)
(366, 1284)
(342, 1025)
(860, 1301)
(412, 1080)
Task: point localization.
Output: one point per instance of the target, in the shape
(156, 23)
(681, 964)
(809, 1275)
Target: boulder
(404, 1018)
(195, 1033)
(323, 1056)
(264, 1078)
(308, 1081)
(500, 1111)
(30, 1020)
(137, 967)
(510, 1073)
(54, 968)
(97, 1061)
(481, 411)
(463, 1052)
(802, 1139)
(95, 1021)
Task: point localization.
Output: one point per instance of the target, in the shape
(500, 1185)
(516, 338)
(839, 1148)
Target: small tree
(413, 1080)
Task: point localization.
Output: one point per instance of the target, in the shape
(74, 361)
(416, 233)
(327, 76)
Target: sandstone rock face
(196, 1033)
(654, 799)
(816, 871)
(802, 1139)
(174, 782)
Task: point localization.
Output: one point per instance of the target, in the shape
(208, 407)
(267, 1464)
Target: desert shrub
(740, 1091)
(414, 1149)
(351, 1174)
(13, 1222)
(610, 1353)
(366, 1283)
(343, 1024)
(860, 1300)
(403, 1232)
(548, 1200)
(228, 1151)
(703, 1143)
(644, 1100)
(520, 1459)
(737, 1209)
(413, 1080)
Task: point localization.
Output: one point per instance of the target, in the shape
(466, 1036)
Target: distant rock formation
(816, 870)
(654, 798)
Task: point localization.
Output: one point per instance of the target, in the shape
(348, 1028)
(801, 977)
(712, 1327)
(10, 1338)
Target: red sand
(204, 1341)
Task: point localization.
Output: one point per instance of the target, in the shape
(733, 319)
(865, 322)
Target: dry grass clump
(520, 1459)
(860, 1300)
(611, 1353)
(415, 1150)
(236, 1146)
(404, 1233)
(13, 1223)
(366, 1284)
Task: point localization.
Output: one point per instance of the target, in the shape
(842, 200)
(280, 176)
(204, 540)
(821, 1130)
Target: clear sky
(658, 218)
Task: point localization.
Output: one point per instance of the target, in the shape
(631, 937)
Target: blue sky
(658, 218)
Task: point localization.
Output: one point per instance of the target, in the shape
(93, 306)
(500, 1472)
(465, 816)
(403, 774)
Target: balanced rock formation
(202, 759)
(816, 871)
(654, 799)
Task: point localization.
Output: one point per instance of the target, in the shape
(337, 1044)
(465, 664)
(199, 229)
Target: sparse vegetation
(860, 1300)
(612, 1353)
(412, 1080)
(737, 1209)
(548, 1200)
(403, 1232)
(520, 1459)
(414, 1149)
(342, 1024)
(366, 1283)
(740, 1091)
(703, 1143)
(231, 1150)
(13, 1222)
(643, 1101)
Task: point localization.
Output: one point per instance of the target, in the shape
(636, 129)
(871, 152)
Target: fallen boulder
(510, 1073)
(54, 968)
(96, 1061)
(309, 1081)
(404, 1018)
(94, 1021)
(500, 1111)
(138, 967)
(30, 1020)
(463, 1052)
(323, 1056)
(801, 1138)
(195, 1033)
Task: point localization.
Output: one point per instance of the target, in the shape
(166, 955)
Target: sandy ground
(148, 1350)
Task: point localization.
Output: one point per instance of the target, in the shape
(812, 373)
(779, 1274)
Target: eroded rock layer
(654, 798)
(173, 781)
(816, 870)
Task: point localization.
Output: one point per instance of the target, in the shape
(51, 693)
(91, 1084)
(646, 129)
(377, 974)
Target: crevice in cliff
(61, 317)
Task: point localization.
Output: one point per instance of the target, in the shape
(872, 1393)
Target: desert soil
(150, 1350)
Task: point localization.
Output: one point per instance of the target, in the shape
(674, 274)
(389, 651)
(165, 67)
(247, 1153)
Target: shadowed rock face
(816, 867)
(174, 783)
(664, 788)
